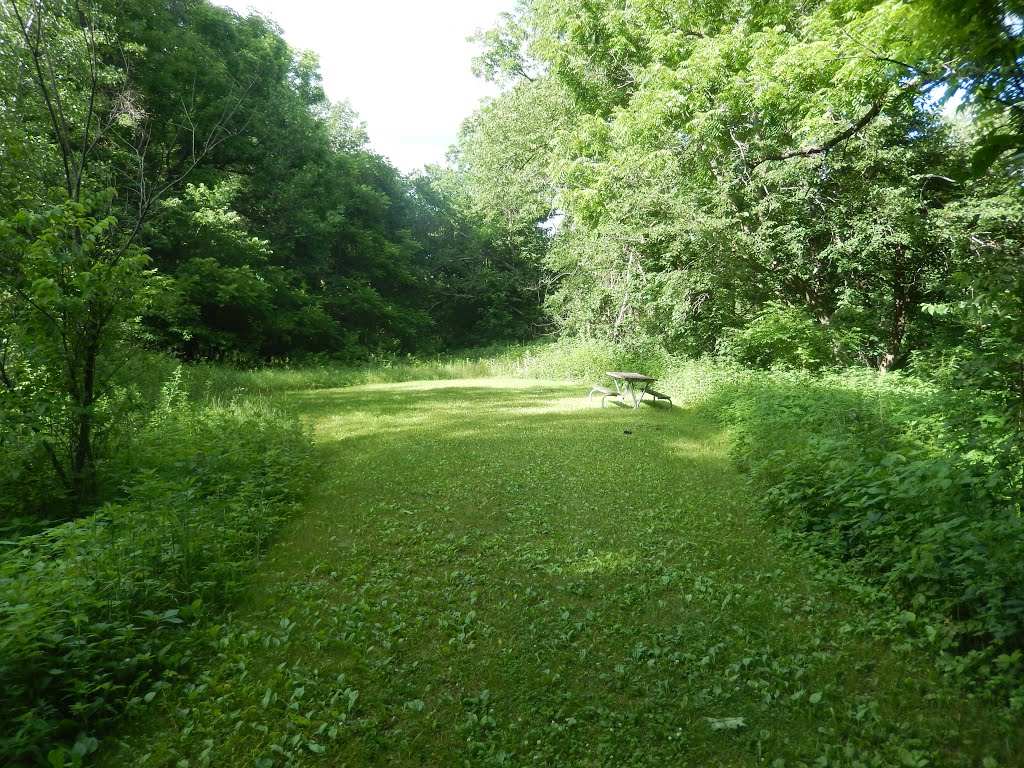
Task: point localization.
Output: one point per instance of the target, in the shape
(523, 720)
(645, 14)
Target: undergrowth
(916, 487)
(95, 614)
(493, 572)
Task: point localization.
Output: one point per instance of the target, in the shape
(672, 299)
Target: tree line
(784, 182)
(781, 183)
(174, 178)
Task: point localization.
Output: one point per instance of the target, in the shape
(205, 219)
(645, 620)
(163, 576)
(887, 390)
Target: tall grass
(580, 360)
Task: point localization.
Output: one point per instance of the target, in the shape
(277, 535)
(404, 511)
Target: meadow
(493, 571)
(465, 561)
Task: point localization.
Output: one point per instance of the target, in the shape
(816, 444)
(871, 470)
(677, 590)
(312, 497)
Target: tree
(70, 284)
(73, 273)
(499, 198)
(70, 278)
(224, 298)
(715, 158)
(483, 284)
(969, 52)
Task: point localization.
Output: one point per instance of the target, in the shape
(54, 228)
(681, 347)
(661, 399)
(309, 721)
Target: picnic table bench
(604, 392)
(658, 396)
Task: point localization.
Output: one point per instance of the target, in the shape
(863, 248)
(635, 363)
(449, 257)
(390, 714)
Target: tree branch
(839, 138)
(817, 149)
(33, 40)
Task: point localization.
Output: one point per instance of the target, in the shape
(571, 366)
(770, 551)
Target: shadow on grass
(544, 426)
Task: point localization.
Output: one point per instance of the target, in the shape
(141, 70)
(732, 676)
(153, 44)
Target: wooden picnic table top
(629, 376)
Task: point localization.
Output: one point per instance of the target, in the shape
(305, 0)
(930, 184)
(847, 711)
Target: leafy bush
(780, 336)
(93, 610)
(29, 490)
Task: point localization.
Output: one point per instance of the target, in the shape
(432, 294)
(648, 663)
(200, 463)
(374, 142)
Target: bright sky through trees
(404, 64)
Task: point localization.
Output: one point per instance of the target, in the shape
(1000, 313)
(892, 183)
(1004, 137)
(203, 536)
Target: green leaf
(991, 149)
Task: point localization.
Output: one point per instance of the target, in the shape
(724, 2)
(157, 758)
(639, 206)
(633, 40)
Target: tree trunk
(83, 467)
(625, 295)
(902, 305)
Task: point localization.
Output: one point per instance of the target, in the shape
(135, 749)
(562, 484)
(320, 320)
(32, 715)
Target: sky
(404, 65)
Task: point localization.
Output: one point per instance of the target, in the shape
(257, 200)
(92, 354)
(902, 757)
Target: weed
(95, 611)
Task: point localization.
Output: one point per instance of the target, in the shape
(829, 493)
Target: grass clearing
(492, 572)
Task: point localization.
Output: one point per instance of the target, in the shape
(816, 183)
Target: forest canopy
(785, 182)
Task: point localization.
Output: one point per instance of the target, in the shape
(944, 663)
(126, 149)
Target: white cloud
(403, 64)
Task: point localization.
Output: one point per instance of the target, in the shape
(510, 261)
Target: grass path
(493, 573)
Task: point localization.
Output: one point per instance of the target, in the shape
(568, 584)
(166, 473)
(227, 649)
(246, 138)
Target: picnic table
(632, 385)
(628, 383)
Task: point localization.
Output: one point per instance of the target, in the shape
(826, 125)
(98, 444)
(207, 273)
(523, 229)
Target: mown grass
(493, 573)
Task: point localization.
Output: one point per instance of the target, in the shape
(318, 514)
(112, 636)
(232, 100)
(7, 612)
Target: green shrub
(93, 613)
(780, 336)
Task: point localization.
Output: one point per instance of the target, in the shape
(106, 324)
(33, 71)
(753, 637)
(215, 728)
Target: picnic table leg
(643, 391)
(619, 388)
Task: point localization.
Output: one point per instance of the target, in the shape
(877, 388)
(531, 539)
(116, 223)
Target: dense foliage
(173, 176)
(721, 163)
(916, 486)
(96, 613)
